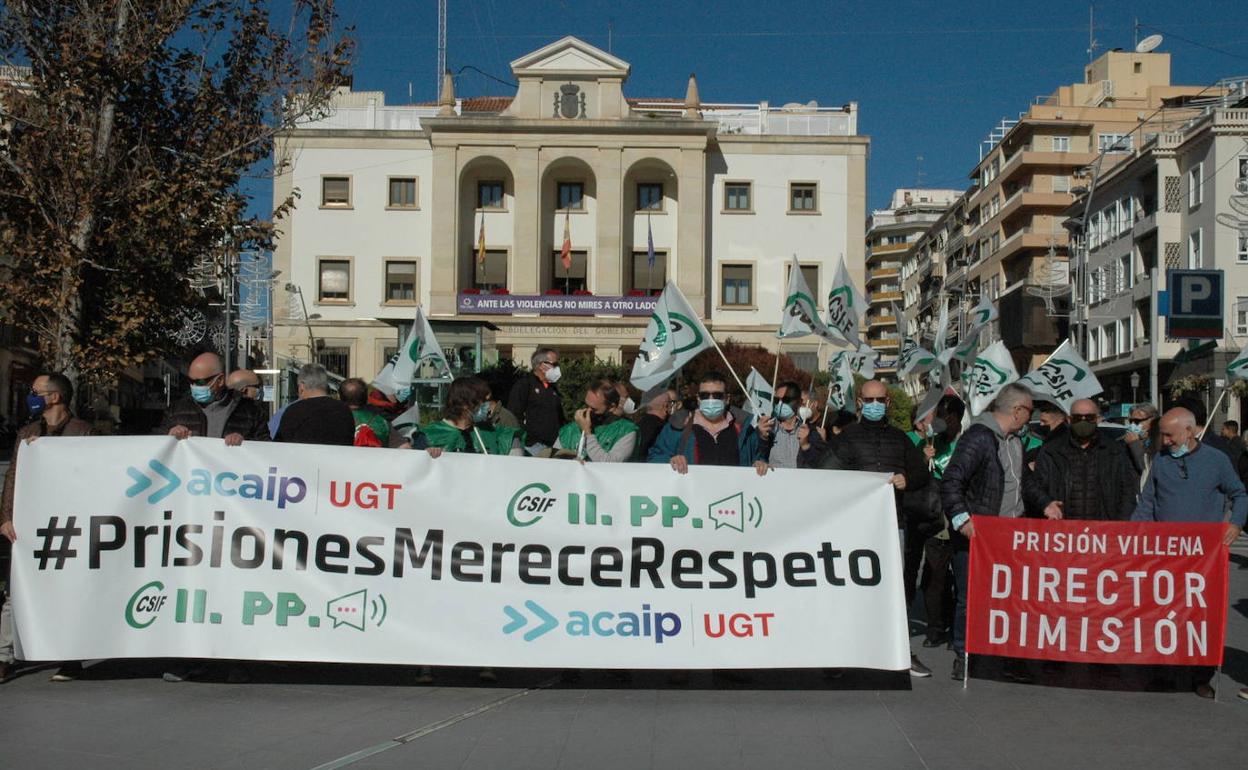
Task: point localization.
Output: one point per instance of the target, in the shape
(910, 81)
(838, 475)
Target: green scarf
(607, 434)
(497, 440)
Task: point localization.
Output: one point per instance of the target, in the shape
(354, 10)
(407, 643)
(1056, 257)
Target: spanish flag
(565, 256)
(481, 242)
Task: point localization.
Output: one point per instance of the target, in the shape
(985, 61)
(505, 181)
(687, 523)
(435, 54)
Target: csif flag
(992, 370)
(845, 304)
(862, 361)
(673, 336)
(420, 347)
(913, 358)
(800, 316)
(841, 383)
(1238, 369)
(1063, 378)
(758, 397)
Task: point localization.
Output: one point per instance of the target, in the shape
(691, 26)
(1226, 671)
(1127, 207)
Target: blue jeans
(961, 560)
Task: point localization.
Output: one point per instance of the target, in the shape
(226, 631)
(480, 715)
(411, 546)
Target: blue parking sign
(1195, 310)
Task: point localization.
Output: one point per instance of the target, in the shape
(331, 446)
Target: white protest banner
(674, 335)
(993, 370)
(165, 548)
(1063, 378)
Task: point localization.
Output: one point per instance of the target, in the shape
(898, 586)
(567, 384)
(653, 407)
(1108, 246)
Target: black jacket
(248, 418)
(1234, 449)
(538, 407)
(974, 481)
(1112, 492)
(877, 446)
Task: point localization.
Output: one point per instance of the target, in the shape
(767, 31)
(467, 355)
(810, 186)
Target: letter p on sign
(1196, 289)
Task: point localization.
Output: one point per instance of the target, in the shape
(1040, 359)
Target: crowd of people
(1003, 463)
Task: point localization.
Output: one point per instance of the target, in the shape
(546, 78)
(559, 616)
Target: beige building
(1005, 236)
(394, 202)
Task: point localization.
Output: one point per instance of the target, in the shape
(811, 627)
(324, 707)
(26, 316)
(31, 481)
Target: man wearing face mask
(536, 402)
(49, 405)
(788, 440)
(659, 406)
(984, 478)
(871, 444)
(213, 410)
(1084, 475)
(1191, 482)
(715, 434)
(598, 432)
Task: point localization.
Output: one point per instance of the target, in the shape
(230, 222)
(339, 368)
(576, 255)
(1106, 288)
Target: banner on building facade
(1097, 592)
(150, 547)
(555, 304)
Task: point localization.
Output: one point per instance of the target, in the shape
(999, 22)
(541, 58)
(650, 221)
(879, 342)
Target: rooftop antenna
(610, 30)
(441, 45)
(1148, 44)
(918, 174)
(1092, 45)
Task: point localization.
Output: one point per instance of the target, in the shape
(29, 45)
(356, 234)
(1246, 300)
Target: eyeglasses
(1083, 418)
(874, 399)
(1139, 420)
(550, 363)
(201, 381)
(790, 399)
(714, 395)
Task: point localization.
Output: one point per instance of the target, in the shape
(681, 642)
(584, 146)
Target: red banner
(1097, 592)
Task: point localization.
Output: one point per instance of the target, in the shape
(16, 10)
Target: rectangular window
(650, 196)
(402, 192)
(489, 274)
(1194, 249)
(489, 195)
(1126, 276)
(737, 285)
(1241, 315)
(334, 280)
(571, 195)
(1061, 184)
(1195, 185)
(336, 191)
(645, 277)
(811, 274)
(737, 197)
(1061, 144)
(335, 359)
(1111, 143)
(802, 197)
(400, 281)
(571, 279)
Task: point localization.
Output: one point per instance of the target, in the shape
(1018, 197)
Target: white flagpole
(775, 373)
(477, 433)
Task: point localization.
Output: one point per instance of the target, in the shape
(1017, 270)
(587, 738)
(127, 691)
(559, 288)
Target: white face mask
(553, 374)
(804, 413)
(630, 406)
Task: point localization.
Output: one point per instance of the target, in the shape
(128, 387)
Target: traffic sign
(1195, 310)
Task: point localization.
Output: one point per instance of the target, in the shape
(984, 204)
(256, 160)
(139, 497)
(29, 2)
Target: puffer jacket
(248, 418)
(974, 481)
(881, 448)
(1112, 493)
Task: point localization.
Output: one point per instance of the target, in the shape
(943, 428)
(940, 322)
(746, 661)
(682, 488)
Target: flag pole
(1213, 411)
(775, 373)
(731, 371)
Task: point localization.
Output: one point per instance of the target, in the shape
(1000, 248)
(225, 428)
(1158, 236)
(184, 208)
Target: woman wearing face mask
(596, 432)
(788, 440)
(465, 425)
(1143, 437)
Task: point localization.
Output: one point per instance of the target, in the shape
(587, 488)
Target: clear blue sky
(931, 78)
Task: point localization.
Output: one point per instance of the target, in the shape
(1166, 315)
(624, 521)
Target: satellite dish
(1148, 44)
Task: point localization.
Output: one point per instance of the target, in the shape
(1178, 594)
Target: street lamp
(1135, 383)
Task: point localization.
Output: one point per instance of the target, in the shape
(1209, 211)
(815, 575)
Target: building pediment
(570, 57)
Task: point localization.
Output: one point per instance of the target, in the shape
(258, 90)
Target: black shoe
(1204, 690)
(917, 669)
(959, 669)
(6, 672)
(183, 674)
(1017, 671)
(935, 640)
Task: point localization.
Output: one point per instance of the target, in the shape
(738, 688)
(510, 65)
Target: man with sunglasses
(246, 382)
(1192, 482)
(536, 402)
(788, 441)
(1082, 475)
(213, 410)
(715, 434)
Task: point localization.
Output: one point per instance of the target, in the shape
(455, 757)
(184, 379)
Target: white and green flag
(384, 381)
(841, 385)
(420, 347)
(942, 330)
(801, 312)
(992, 370)
(982, 314)
(913, 358)
(673, 336)
(759, 396)
(1063, 378)
(862, 361)
(845, 304)
(1238, 369)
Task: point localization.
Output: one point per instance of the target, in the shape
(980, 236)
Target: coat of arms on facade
(570, 102)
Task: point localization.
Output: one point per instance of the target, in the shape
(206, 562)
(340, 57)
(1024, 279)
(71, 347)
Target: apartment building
(890, 232)
(463, 207)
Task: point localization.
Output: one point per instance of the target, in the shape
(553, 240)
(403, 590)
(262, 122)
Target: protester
(1051, 425)
(465, 425)
(500, 415)
(49, 403)
(713, 435)
(983, 478)
(1235, 451)
(246, 382)
(536, 402)
(213, 410)
(937, 436)
(1143, 438)
(316, 418)
(371, 428)
(597, 433)
(787, 439)
(1084, 475)
(871, 444)
(1230, 430)
(1192, 482)
(658, 408)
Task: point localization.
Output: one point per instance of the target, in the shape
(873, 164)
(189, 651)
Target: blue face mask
(1135, 428)
(711, 408)
(1180, 451)
(782, 411)
(35, 404)
(482, 412)
(874, 411)
(403, 394)
(202, 394)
